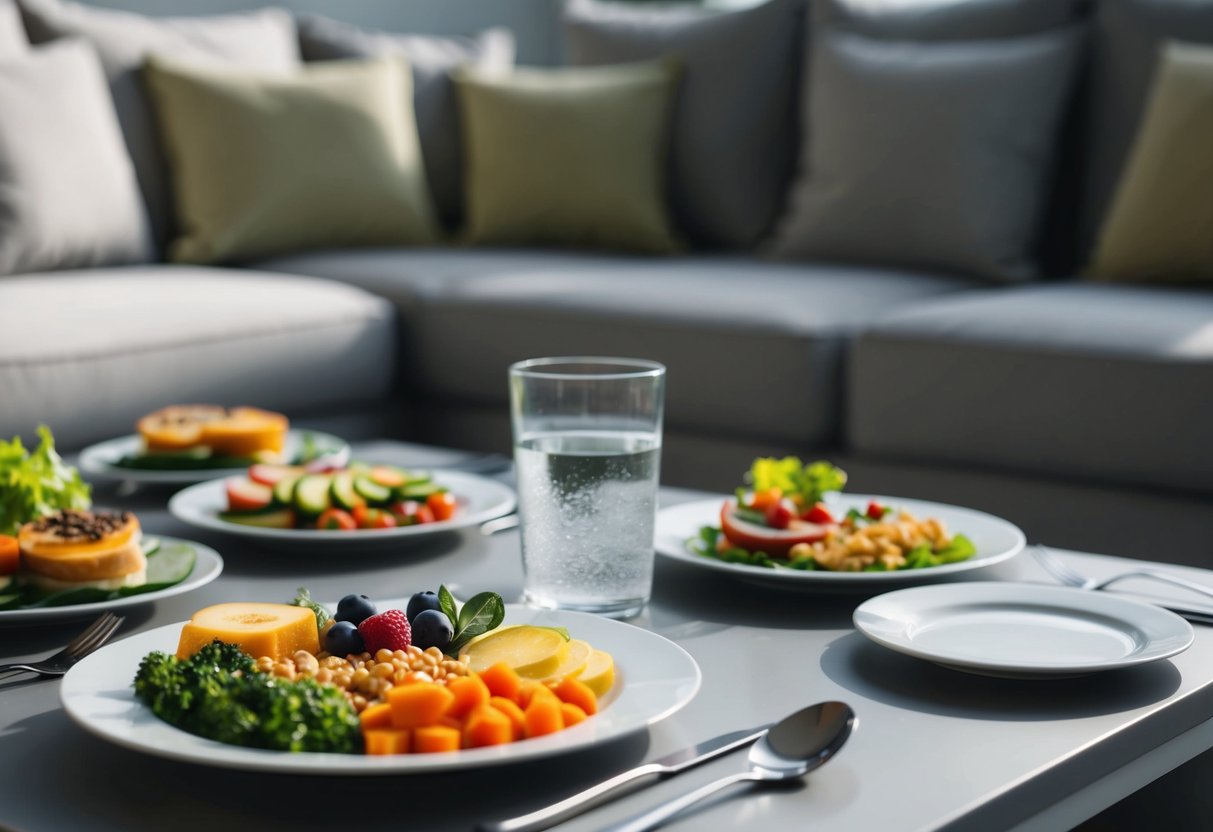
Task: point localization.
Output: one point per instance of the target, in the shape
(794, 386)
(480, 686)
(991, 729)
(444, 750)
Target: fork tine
(99, 637)
(1056, 567)
(89, 632)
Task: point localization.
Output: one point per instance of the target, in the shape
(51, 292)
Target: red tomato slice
(246, 495)
(775, 542)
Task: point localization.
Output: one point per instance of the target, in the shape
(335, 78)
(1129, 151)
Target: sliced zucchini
(284, 490)
(274, 518)
(343, 493)
(419, 490)
(372, 491)
(312, 493)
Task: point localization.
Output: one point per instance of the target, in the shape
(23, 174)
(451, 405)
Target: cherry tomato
(442, 503)
(335, 518)
(359, 514)
(382, 520)
(875, 510)
(779, 515)
(761, 500)
(818, 514)
(424, 514)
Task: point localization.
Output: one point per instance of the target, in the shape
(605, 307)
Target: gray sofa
(1082, 411)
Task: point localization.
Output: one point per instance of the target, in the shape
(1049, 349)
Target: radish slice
(268, 474)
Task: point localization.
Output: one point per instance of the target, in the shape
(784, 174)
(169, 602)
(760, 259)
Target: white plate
(480, 499)
(996, 540)
(100, 460)
(655, 678)
(1022, 630)
(207, 567)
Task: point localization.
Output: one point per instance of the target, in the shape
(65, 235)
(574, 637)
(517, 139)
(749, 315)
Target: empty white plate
(1022, 630)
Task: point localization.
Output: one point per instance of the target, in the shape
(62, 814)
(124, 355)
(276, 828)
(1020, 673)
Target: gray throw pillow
(431, 57)
(261, 40)
(12, 33)
(931, 20)
(733, 139)
(929, 155)
(68, 195)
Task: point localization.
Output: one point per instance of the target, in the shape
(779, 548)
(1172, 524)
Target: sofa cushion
(929, 155)
(754, 349)
(68, 194)
(1079, 381)
(1128, 38)
(931, 20)
(733, 135)
(261, 40)
(572, 157)
(12, 32)
(431, 58)
(265, 164)
(88, 352)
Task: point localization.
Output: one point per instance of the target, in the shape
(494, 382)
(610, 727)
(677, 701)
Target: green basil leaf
(446, 602)
(482, 612)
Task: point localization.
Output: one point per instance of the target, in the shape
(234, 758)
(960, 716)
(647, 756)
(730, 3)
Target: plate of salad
(792, 525)
(54, 565)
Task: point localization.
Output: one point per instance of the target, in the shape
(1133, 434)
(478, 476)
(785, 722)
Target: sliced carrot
(435, 738)
(517, 718)
(10, 554)
(487, 726)
(577, 693)
(543, 717)
(468, 692)
(416, 706)
(571, 714)
(376, 716)
(501, 680)
(386, 741)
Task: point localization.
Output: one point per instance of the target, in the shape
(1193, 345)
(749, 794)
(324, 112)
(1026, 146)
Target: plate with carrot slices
(653, 678)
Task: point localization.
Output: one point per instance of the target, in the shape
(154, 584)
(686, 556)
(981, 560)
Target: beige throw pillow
(264, 164)
(1160, 225)
(572, 157)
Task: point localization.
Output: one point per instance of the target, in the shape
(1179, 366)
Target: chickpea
(306, 663)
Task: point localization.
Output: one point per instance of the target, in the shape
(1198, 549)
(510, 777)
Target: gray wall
(532, 21)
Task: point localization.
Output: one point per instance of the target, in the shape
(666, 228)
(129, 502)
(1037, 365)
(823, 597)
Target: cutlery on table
(794, 746)
(1067, 575)
(499, 524)
(667, 766)
(97, 634)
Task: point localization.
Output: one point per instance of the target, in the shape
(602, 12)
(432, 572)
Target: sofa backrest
(532, 21)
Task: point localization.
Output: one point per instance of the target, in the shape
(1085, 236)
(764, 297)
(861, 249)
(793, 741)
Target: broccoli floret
(217, 693)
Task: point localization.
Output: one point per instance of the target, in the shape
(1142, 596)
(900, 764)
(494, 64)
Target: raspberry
(388, 630)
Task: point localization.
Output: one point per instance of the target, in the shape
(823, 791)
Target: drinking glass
(587, 446)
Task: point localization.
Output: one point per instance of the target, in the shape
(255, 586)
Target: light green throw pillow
(265, 163)
(571, 157)
(1160, 225)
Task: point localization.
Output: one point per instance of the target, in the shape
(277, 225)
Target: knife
(1195, 616)
(667, 766)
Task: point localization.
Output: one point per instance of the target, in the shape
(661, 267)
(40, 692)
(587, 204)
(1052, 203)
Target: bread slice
(80, 547)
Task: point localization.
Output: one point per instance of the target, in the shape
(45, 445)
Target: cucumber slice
(371, 490)
(419, 490)
(275, 518)
(343, 492)
(312, 493)
(284, 490)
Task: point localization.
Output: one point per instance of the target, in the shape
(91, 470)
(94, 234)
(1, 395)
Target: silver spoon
(795, 746)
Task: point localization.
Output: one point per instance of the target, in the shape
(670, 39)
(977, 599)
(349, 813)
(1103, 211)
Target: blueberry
(343, 638)
(432, 629)
(421, 602)
(355, 609)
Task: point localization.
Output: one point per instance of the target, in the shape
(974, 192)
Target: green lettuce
(36, 483)
(794, 478)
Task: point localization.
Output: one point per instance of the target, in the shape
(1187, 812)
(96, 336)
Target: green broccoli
(217, 693)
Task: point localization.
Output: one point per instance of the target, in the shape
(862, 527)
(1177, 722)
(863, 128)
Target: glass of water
(587, 446)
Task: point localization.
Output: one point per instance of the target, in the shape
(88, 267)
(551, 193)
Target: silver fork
(97, 634)
(1066, 574)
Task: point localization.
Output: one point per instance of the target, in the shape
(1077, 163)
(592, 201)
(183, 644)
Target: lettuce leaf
(37, 483)
(794, 478)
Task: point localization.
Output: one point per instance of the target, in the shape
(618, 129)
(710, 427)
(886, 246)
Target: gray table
(935, 749)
